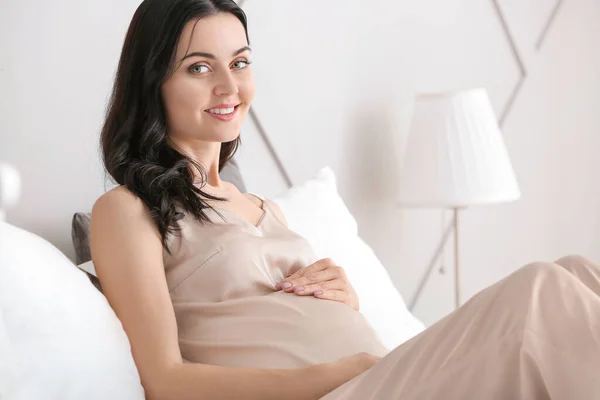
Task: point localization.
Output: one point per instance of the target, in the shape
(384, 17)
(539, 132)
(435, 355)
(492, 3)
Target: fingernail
(299, 288)
(286, 285)
(318, 292)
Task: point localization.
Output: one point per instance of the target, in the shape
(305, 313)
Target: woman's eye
(241, 64)
(199, 69)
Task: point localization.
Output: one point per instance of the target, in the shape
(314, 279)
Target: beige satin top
(222, 278)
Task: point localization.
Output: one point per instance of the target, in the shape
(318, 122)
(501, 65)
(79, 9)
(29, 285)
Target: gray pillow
(80, 225)
(80, 232)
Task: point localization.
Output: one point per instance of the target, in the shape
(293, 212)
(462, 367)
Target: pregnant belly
(279, 330)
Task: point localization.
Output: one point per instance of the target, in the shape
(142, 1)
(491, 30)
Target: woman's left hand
(324, 280)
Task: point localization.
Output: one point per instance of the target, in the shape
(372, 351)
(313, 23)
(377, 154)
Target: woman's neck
(207, 154)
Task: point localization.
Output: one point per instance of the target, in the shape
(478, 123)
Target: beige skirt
(533, 335)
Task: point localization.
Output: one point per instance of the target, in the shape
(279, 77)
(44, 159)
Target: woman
(220, 300)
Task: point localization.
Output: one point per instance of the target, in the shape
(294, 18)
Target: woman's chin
(210, 134)
(225, 138)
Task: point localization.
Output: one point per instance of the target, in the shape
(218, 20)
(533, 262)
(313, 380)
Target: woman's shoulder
(120, 196)
(119, 202)
(120, 217)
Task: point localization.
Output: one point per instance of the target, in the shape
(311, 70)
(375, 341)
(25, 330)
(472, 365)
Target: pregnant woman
(220, 300)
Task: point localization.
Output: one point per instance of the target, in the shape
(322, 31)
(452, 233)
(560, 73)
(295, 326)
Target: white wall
(57, 63)
(335, 81)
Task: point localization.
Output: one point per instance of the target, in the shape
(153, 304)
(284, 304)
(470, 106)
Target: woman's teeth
(221, 111)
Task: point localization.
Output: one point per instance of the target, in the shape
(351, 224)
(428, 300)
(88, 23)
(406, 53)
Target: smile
(224, 112)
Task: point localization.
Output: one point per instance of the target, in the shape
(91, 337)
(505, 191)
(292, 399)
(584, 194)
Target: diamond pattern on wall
(255, 118)
(551, 19)
(518, 59)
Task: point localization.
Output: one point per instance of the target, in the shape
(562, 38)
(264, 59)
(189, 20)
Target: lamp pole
(456, 260)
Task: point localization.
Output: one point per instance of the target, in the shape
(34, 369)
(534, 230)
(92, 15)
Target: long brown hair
(134, 136)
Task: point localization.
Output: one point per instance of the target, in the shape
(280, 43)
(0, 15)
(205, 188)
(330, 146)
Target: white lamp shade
(455, 154)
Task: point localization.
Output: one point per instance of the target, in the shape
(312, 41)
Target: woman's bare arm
(127, 254)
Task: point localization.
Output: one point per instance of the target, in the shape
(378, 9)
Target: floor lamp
(455, 158)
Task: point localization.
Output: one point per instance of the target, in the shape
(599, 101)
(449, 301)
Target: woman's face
(208, 96)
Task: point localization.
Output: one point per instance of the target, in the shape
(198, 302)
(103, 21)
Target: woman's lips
(224, 117)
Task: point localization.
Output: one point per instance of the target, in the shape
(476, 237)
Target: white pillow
(7, 360)
(65, 341)
(315, 211)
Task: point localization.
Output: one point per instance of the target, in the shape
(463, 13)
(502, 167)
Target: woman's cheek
(247, 88)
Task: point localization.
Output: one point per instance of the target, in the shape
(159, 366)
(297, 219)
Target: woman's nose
(226, 85)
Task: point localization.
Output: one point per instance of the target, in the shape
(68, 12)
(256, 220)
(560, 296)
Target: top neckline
(258, 224)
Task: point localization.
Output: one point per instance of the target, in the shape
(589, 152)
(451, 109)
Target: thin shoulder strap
(261, 198)
(266, 204)
(263, 202)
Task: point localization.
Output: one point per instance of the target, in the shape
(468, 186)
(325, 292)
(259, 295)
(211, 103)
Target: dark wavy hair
(134, 136)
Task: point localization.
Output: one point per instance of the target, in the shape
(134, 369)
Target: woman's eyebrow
(212, 56)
